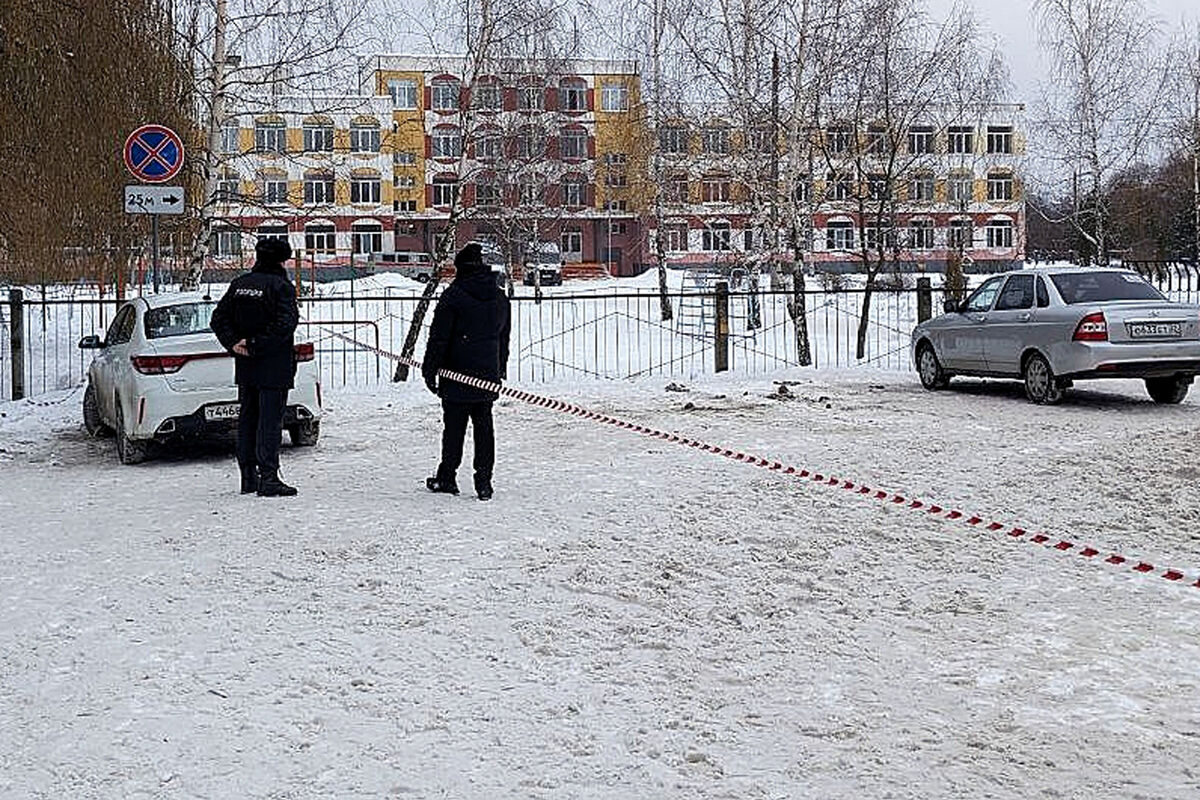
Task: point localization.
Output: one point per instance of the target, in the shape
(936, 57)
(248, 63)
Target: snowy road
(627, 619)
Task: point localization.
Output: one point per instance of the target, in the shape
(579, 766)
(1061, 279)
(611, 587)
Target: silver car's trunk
(1151, 321)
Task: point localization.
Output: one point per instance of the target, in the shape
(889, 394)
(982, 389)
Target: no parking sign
(154, 153)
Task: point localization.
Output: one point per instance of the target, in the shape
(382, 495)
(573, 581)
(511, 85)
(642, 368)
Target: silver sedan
(1051, 327)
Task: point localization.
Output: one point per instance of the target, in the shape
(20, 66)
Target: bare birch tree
(1103, 101)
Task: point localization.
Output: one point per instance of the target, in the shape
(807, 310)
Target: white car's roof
(175, 298)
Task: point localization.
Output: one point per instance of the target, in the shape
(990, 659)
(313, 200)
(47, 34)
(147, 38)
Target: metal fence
(566, 334)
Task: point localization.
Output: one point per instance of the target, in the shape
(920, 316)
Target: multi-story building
(316, 169)
(521, 152)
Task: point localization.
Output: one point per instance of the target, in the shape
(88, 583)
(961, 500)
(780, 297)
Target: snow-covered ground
(626, 619)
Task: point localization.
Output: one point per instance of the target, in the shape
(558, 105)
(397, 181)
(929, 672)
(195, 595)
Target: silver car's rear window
(179, 320)
(1099, 286)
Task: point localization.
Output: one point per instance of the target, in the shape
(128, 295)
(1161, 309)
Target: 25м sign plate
(153, 200)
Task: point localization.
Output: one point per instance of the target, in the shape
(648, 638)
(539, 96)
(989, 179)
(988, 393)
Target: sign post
(154, 155)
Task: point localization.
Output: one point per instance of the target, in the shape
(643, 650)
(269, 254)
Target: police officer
(256, 321)
(469, 334)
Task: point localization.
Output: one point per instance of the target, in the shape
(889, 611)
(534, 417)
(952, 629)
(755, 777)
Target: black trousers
(454, 418)
(260, 427)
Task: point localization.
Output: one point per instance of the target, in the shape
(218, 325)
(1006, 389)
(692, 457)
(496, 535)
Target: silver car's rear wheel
(930, 369)
(1168, 390)
(1040, 384)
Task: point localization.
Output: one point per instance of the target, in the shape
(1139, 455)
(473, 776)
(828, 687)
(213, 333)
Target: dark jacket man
(256, 320)
(469, 334)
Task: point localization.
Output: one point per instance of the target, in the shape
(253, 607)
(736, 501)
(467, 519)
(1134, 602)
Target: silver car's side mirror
(951, 307)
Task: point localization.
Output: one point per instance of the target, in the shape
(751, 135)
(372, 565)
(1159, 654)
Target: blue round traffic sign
(154, 153)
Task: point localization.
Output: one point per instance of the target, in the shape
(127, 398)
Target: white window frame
(676, 237)
(715, 139)
(404, 158)
(225, 242)
(571, 245)
(574, 191)
(445, 94)
(614, 97)
(319, 191)
(531, 97)
(717, 237)
(275, 191)
(716, 189)
(365, 190)
(270, 137)
(960, 139)
(960, 188)
(839, 235)
(674, 135)
(368, 233)
(403, 92)
(578, 139)
(446, 143)
(999, 187)
(490, 91)
(445, 192)
(317, 138)
(921, 188)
(493, 197)
(405, 206)
(999, 233)
(1000, 139)
(572, 89)
(320, 238)
(920, 234)
(231, 137)
(920, 139)
(955, 238)
(364, 138)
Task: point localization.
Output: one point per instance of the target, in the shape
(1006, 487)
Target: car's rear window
(179, 320)
(1099, 286)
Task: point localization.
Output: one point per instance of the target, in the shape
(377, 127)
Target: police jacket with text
(260, 307)
(469, 334)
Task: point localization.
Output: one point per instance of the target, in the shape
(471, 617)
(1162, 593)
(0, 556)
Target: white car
(160, 374)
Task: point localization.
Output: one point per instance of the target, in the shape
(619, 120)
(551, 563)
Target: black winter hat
(272, 251)
(469, 260)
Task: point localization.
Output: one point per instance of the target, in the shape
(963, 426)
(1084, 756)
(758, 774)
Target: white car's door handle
(981, 318)
(1024, 317)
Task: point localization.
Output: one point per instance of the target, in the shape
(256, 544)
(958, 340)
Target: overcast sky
(1011, 21)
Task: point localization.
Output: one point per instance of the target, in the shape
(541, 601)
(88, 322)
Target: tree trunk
(418, 320)
(864, 317)
(798, 309)
(208, 161)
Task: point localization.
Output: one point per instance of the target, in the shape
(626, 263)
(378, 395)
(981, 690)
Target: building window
(445, 191)
(617, 205)
(574, 190)
(841, 186)
(960, 139)
(318, 188)
(878, 187)
(364, 138)
(838, 138)
(405, 182)
(231, 137)
(487, 193)
(366, 237)
(715, 189)
(272, 230)
(876, 238)
(803, 189)
(920, 188)
(574, 143)
(763, 139)
(364, 191)
(275, 190)
(270, 137)
(531, 191)
(877, 139)
(318, 138)
(839, 236)
(406, 206)
(444, 94)
(1000, 139)
(572, 95)
(675, 190)
(1000, 233)
(447, 143)
(403, 93)
(920, 234)
(320, 237)
(614, 97)
(959, 187)
(571, 244)
(920, 139)
(999, 186)
(486, 96)
(404, 158)
(715, 139)
(531, 97)
(672, 139)
(531, 143)
(489, 145)
(225, 242)
(228, 187)
(716, 237)
(960, 235)
(614, 169)
(675, 238)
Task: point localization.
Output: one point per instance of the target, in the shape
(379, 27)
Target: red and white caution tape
(975, 521)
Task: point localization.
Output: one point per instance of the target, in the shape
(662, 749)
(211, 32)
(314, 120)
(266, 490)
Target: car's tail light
(1092, 328)
(305, 352)
(158, 365)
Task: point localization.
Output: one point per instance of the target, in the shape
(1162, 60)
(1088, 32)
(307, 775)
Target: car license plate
(1156, 330)
(227, 411)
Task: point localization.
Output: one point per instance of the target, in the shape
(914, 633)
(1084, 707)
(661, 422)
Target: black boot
(441, 485)
(249, 479)
(483, 488)
(269, 485)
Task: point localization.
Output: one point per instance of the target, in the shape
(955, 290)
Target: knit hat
(272, 250)
(469, 260)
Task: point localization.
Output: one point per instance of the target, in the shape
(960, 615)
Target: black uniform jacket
(469, 334)
(260, 307)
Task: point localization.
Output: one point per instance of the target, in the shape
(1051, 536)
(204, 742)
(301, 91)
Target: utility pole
(216, 117)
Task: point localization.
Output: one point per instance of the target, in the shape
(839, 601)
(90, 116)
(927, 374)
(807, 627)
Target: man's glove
(431, 381)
